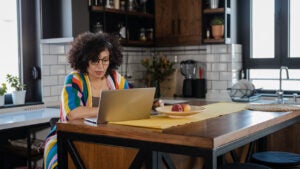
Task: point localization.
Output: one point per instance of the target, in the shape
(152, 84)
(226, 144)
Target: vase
(2, 100)
(18, 97)
(156, 84)
(218, 31)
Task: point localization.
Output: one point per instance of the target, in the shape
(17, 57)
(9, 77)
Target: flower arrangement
(158, 67)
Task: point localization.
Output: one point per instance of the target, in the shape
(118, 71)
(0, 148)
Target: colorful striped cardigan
(76, 92)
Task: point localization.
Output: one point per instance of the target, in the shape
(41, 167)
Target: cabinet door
(164, 21)
(189, 21)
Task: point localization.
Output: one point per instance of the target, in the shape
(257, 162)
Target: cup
(213, 4)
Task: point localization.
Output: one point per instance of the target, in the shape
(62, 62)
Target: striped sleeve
(117, 81)
(50, 150)
(75, 93)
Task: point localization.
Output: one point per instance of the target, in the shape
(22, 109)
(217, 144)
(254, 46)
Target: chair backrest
(53, 121)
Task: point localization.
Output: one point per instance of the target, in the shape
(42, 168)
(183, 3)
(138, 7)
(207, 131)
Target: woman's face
(98, 69)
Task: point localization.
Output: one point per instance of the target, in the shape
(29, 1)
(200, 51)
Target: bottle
(117, 4)
(123, 31)
(108, 4)
(207, 33)
(98, 28)
(142, 35)
(150, 34)
(122, 5)
(131, 5)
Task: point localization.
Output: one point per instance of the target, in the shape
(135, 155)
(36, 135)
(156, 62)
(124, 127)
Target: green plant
(3, 89)
(158, 67)
(15, 82)
(217, 21)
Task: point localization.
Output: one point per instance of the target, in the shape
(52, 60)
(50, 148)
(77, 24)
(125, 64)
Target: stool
(243, 166)
(276, 159)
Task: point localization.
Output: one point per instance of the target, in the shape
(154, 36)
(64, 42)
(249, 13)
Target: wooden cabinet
(133, 21)
(178, 22)
(227, 10)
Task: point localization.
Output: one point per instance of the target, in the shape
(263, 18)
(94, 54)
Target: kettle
(188, 69)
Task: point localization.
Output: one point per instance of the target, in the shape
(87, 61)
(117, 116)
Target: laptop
(123, 105)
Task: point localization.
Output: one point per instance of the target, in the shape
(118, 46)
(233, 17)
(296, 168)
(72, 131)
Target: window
(20, 36)
(271, 38)
(294, 29)
(9, 40)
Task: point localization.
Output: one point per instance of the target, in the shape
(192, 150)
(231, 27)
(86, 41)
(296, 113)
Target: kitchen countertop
(22, 118)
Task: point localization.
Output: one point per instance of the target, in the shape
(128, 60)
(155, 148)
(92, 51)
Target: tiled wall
(222, 64)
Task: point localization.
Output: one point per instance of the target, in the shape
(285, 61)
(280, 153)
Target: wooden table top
(211, 133)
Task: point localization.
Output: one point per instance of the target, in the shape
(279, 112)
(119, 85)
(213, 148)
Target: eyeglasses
(104, 62)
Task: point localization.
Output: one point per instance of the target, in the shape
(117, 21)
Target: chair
(276, 159)
(53, 121)
(243, 166)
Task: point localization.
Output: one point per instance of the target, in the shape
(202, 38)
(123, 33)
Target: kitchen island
(138, 146)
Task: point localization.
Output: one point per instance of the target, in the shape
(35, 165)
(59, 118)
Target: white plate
(167, 110)
(171, 101)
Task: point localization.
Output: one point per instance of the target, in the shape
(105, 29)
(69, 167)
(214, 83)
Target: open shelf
(118, 11)
(213, 11)
(214, 40)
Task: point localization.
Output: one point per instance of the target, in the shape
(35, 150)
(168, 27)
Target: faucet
(280, 91)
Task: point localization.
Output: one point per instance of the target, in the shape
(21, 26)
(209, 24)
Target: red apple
(177, 107)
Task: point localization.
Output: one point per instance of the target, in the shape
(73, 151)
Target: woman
(94, 58)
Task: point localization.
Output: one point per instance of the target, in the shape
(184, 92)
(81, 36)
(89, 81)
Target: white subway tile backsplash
(213, 58)
(61, 79)
(45, 49)
(234, 66)
(45, 70)
(67, 48)
(220, 84)
(219, 48)
(208, 67)
(218, 67)
(56, 90)
(225, 58)
(46, 91)
(62, 59)
(225, 75)
(49, 60)
(236, 57)
(50, 80)
(53, 100)
(57, 49)
(208, 85)
(57, 70)
(235, 48)
(213, 76)
(221, 62)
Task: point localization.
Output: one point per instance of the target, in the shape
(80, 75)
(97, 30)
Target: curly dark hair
(87, 46)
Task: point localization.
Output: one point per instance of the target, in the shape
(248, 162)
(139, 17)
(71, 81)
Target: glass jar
(98, 28)
(150, 34)
(142, 35)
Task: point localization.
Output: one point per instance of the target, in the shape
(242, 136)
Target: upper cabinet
(225, 10)
(63, 18)
(132, 20)
(178, 22)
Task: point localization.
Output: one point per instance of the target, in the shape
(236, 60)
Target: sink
(272, 104)
(273, 100)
